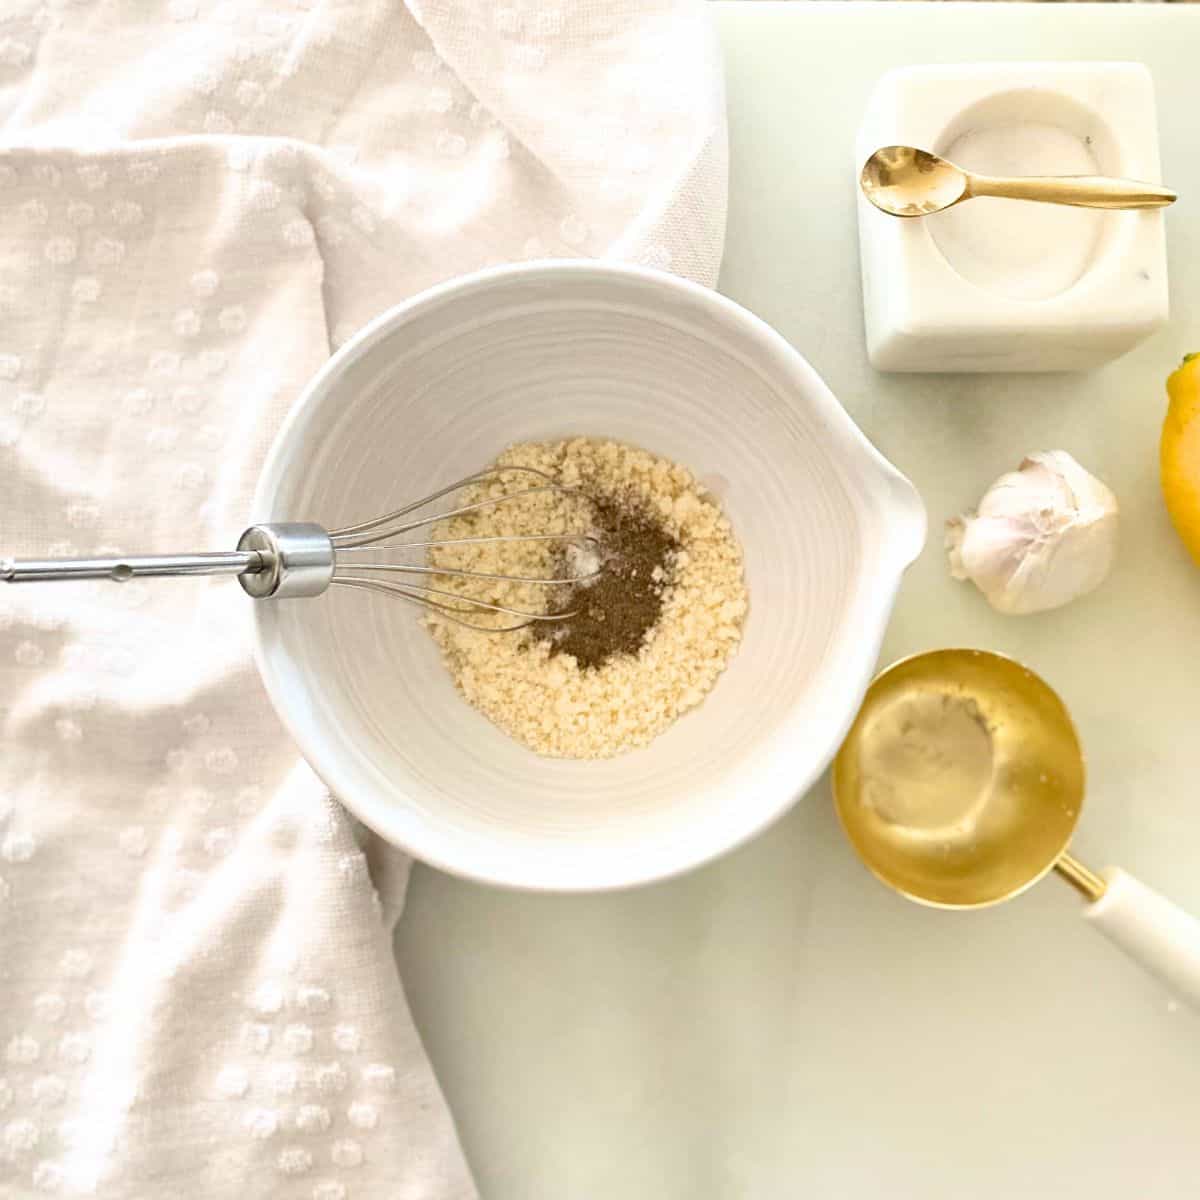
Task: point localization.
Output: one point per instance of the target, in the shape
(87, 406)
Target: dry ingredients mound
(650, 633)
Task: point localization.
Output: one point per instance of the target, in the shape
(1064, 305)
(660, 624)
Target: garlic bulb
(1043, 535)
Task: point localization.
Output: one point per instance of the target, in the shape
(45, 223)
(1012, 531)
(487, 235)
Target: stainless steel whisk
(294, 559)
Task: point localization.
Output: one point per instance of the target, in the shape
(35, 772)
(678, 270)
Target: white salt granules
(544, 699)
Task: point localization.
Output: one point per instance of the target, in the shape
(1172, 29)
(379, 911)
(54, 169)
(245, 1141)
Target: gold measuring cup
(960, 784)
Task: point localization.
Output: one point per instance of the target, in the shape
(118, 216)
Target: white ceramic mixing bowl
(432, 391)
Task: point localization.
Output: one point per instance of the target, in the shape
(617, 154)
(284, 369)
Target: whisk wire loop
(374, 535)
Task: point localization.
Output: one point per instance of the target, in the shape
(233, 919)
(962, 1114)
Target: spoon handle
(1083, 191)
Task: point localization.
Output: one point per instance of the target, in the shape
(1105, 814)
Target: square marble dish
(1008, 285)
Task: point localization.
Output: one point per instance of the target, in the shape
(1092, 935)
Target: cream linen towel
(197, 201)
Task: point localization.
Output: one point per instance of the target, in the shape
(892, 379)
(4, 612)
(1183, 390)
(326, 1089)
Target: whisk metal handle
(41, 570)
(278, 560)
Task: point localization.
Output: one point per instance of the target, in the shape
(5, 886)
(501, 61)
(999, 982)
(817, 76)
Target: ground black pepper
(614, 612)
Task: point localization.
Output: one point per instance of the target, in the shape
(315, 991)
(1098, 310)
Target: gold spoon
(960, 784)
(906, 182)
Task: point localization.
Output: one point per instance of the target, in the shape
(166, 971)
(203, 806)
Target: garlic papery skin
(1042, 536)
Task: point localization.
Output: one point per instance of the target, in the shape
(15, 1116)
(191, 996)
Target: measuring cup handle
(1155, 933)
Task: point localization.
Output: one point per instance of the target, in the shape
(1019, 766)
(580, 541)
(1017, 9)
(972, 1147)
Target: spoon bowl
(906, 182)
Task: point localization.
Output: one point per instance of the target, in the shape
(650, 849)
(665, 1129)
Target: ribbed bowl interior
(431, 392)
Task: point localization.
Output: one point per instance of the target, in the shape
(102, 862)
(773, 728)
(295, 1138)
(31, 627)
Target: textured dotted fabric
(199, 200)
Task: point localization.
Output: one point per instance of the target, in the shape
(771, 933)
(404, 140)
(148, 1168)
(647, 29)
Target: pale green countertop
(778, 1025)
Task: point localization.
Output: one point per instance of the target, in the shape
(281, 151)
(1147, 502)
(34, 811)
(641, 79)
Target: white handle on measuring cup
(1155, 933)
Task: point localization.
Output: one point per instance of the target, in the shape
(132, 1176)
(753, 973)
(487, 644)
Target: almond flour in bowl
(649, 635)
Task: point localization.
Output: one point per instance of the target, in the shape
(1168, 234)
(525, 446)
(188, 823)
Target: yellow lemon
(1179, 452)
